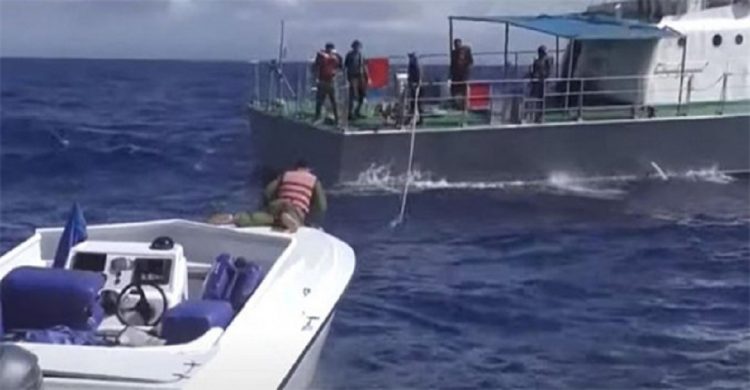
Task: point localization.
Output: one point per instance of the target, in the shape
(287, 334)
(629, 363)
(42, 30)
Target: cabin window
(738, 39)
(717, 40)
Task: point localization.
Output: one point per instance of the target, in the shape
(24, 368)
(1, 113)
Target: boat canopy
(580, 26)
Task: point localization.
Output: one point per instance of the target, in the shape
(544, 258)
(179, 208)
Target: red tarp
(378, 68)
(479, 96)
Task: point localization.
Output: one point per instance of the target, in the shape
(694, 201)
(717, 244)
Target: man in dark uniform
(540, 71)
(356, 75)
(460, 69)
(414, 79)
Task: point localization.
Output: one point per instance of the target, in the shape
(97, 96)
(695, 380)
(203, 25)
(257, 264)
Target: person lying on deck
(289, 202)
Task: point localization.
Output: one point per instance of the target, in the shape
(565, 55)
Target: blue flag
(75, 232)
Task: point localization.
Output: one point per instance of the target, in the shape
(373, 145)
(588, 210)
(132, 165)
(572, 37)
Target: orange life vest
(297, 187)
(327, 65)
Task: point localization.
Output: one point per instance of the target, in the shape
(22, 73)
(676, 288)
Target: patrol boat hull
(525, 152)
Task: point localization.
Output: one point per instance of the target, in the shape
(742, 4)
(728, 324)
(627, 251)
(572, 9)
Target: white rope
(407, 181)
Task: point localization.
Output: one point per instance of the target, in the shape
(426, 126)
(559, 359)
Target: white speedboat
(171, 304)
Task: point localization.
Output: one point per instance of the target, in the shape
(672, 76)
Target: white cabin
(714, 43)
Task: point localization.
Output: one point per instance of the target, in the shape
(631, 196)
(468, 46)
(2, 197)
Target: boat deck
(453, 119)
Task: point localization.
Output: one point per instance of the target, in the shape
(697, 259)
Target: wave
(379, 179)
(710, 175)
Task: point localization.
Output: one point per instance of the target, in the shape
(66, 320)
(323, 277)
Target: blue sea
(622, 284)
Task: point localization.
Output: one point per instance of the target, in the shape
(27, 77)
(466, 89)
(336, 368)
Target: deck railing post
(466, 103)
(343, 112)
(580, 100)
(505, 57)
(544, 100)
(682, 75)
(569, 74)
(256, 82)
(723, 99)
(298, 94)
(689, 95)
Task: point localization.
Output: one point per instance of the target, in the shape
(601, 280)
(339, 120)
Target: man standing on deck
(460, 69)
(289, 202)
(356, 75)
(327, 62)
(540, 71)
(416, 92)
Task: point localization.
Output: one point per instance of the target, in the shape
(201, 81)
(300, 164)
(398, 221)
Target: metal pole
(571, 46)
(580, 100)
(450, 34)
(688, 98)
(280, 62)
(682, 75)
(505, 64)
(557, 57)
(725, 77)
(256, 81)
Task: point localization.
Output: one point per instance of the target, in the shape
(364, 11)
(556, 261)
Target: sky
(249, 29)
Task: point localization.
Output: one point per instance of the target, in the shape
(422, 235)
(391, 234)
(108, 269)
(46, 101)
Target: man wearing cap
(416, 92)
(356, 75)
(460, 71)
(540, 71)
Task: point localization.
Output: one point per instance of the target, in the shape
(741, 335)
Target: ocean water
(619, 284)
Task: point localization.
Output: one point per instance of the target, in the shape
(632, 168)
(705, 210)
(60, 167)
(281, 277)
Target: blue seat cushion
(220, 279)
(59, 335)
(41, 298)
(248, 278)
(191, 319)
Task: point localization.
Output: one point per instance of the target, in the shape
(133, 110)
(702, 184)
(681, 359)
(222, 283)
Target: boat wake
(711, 175)
(380, 179)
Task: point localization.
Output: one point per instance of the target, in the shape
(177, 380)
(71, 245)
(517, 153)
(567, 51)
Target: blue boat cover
(191, 319)
(74, 232)
(41, 298)
(248, 278)
(218, 284)
(61, 335)
(581, 26)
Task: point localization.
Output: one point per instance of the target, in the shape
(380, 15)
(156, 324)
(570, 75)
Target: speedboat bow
(172, 304)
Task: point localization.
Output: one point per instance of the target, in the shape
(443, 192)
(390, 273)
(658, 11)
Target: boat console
(124, 293)
(141, 280)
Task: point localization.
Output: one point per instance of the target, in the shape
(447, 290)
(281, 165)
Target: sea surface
(621, 284)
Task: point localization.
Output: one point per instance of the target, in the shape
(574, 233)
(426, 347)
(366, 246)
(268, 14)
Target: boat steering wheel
(143, 309)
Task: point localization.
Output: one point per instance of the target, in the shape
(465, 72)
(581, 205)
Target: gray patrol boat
(638, 87)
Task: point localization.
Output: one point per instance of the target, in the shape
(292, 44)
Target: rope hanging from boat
(407, 180)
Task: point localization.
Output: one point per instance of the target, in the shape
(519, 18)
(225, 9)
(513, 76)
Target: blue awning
(581, 26)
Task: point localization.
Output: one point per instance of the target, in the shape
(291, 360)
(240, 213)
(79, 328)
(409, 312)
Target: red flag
(378, 69)
(479, 96)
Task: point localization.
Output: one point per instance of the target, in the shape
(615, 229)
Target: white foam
(380, 179)
(710, 175)
(588, 187)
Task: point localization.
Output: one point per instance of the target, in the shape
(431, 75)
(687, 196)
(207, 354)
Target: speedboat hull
(274, 340)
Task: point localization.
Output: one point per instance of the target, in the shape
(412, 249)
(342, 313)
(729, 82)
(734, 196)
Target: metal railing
(520, 101)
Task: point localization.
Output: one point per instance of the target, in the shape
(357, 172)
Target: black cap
(329, 45)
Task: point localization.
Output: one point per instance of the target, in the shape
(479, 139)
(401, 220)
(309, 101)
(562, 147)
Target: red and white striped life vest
(297, 187)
